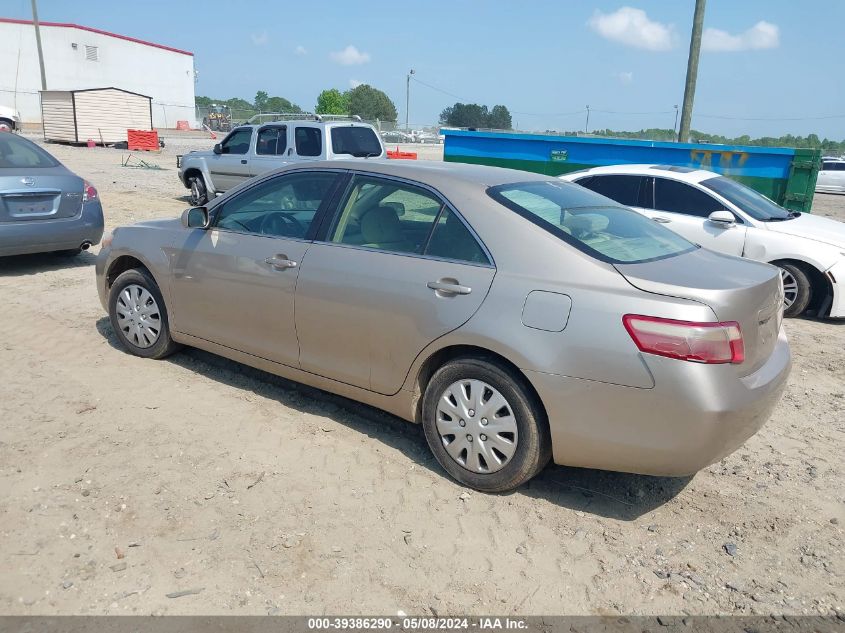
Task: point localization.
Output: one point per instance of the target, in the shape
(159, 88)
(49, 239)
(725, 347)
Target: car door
(234, 282)
(395, 269)
(271, 149)
(685, 209)
(231, 167)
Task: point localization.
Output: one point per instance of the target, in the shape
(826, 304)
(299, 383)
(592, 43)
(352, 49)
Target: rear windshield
(592, 223)
(754, 204)
(18, 152)
(355, 141)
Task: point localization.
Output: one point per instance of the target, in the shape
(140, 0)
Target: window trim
(319, 215)
(343, 191)
(495, 193)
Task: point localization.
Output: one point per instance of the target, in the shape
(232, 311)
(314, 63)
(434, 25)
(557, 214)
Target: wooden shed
(100, 114)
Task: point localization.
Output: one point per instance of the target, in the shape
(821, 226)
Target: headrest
(586, 223)
(381, 225)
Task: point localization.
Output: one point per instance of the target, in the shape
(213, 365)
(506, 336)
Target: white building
(79, 57)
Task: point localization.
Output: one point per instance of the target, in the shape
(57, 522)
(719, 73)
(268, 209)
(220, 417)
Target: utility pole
(692, 70)
(407, 96)
(38, 44)
(675, 127)
(587, 123)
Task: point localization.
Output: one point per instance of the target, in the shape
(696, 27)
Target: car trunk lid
(744, 291)
(29, 195)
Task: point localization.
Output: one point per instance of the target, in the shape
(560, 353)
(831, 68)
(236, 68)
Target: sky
(768, 67)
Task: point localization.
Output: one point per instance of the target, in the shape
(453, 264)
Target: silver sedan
(43, 205)
(518, 318)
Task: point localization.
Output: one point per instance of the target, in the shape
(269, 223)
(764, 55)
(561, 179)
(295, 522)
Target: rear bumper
(42, 236)
(694, 415)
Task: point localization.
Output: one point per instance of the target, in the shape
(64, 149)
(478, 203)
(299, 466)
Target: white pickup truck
(10, 119)
(249, 150)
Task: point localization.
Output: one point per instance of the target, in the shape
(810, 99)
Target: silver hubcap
(790, 288)
(195, 191)
(138, 316)
(477, 426)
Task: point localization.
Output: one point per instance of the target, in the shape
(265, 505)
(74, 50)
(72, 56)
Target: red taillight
(88, 191)
(687, 340)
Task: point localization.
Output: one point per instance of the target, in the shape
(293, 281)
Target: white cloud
(761, 35)
(632, 27)
(350, 56)
(260, 39)
(354, 83)
(625, 77)
(300, 50)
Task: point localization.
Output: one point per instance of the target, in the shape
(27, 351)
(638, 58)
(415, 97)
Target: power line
(581, 111)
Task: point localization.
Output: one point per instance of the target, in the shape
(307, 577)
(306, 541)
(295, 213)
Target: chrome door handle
(662, 220)
(449, 288)
(280, 262)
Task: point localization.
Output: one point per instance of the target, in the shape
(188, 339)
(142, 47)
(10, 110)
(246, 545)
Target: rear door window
(679, 197)
(590, 222)
(624, 189)
(309, 141)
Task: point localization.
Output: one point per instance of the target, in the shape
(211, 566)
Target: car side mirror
(218, 148)
(195, 218)
(723, 218)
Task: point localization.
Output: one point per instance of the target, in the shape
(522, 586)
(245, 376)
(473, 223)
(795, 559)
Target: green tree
(370, 103)
(478, 116)
(260, 102)
(500, 118)
(332, 101)
(280, 104)
(203, 102)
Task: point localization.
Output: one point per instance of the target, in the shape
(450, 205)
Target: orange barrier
(182, 125)
(142, 139)
(403, 155)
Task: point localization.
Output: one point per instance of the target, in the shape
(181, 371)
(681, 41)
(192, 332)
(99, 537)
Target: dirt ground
(126, 481)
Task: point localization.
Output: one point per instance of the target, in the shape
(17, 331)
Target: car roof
(677, 172)
(431, 172)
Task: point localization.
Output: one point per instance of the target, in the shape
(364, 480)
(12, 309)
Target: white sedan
(726, 216)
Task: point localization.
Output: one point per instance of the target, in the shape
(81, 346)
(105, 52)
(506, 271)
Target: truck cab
(250, 150)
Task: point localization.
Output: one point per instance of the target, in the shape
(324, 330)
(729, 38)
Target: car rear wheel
(797, 290)
(484, 425)
(139, 316)
(199, 192)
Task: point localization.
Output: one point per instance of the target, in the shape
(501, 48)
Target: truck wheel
(199, 194)
(6, 125)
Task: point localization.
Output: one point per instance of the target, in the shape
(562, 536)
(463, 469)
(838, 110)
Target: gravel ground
(198, 485)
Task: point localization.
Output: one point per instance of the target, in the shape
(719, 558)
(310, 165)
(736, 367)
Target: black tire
(533, 449)
(199, 192)
(163, 345)
(804, 291)
(6, 125)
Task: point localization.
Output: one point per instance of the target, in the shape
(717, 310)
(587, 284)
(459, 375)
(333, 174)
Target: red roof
(93, 30)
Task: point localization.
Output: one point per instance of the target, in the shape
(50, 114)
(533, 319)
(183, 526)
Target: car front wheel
(797, 290)
(484, 425)
(139, 316)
